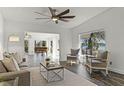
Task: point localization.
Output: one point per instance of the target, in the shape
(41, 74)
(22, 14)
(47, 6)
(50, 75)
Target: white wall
(113, 23)
(1, 32)
(19, 28)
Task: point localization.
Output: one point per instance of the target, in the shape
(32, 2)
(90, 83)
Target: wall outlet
(110, 63)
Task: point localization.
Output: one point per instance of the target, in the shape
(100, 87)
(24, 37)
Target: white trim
(116, 70)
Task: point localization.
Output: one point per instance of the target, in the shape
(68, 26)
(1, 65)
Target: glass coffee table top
(51, 66)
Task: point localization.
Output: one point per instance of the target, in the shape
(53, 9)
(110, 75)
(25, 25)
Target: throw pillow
(2, 68)
(17, 57)
(16, 63)
(10, 64)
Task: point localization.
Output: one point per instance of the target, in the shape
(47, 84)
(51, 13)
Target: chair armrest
(99, 59)
(103, 60)
(23, 66)
(68, 54)
(72, 55)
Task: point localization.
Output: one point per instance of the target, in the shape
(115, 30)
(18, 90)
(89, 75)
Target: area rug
(70, 79)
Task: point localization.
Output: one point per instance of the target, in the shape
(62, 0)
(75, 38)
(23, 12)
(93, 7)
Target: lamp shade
(14, 38)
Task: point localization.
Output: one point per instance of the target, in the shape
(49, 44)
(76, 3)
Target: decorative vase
(47, 63)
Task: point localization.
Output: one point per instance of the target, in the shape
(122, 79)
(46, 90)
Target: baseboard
(116, 70)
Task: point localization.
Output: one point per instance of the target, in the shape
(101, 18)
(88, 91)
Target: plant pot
(47, 63)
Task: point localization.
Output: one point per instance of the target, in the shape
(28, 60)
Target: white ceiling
(26, 14)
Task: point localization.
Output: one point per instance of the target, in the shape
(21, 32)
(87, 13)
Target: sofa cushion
(2, 68)
(10, 64)
(17, 57)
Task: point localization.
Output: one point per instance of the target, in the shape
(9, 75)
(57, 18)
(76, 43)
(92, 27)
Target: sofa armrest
(21, 62)
(24, 77)
(12, 74)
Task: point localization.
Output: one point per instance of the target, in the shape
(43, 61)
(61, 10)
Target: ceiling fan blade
(66, 16)
(42, 14)
(42, 18)
(63, 13)
(64, 20)
(51, 11)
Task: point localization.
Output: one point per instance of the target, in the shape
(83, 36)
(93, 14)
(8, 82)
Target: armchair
(73, 57)
(98, 63)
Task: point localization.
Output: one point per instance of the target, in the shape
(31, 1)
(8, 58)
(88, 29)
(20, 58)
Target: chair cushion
(102, 65)
(71, 58)
(97, 65)
(10, 64)
(74, 52)
(2, 68)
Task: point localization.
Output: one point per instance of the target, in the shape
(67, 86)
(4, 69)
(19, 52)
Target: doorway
(39, 46)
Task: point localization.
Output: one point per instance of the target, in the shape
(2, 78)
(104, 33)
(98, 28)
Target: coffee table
(52, 72)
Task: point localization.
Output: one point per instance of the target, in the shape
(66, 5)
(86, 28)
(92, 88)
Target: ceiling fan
(56, 17)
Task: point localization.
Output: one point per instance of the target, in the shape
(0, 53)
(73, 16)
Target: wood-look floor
(97, 77)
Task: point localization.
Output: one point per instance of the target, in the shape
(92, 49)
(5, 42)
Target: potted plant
(47, 61)
(90, 44)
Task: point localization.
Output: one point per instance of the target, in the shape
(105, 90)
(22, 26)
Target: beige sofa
(9, 72)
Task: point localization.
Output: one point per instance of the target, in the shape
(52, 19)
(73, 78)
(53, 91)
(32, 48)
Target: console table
(41, 50)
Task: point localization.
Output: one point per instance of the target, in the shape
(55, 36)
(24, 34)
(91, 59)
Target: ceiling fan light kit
(57, 17)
